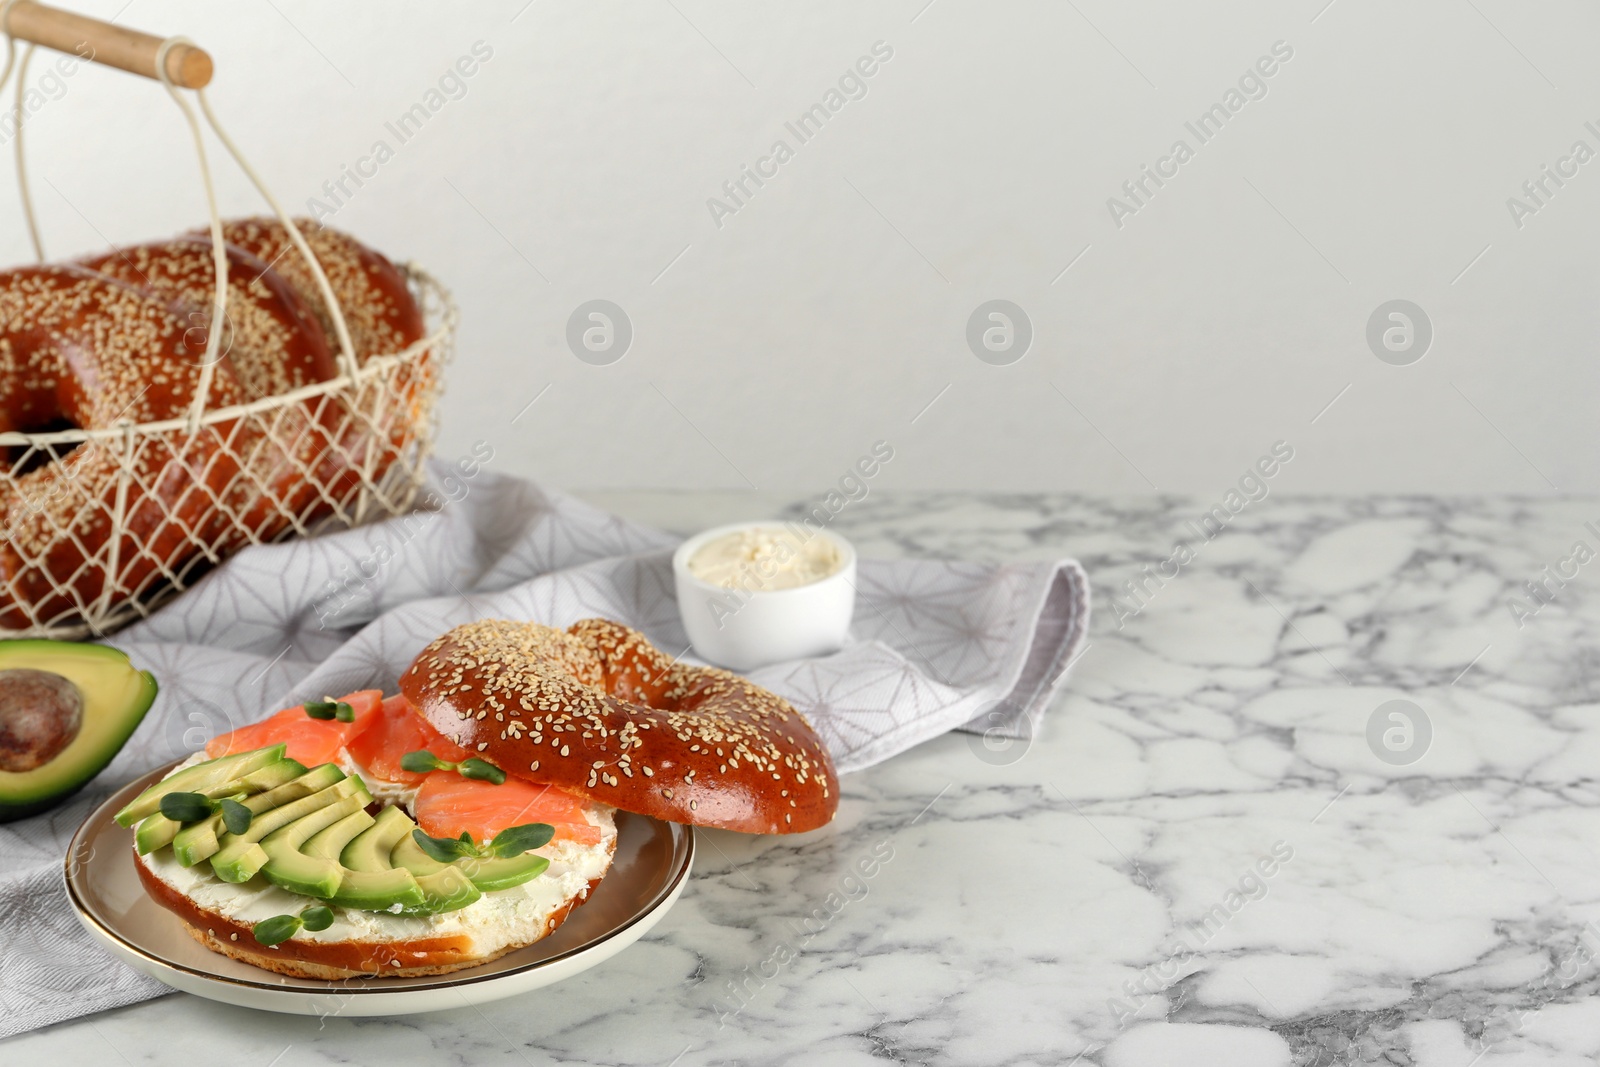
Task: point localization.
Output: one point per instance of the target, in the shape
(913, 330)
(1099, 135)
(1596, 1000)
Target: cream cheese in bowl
(767, 557)
(756, 593)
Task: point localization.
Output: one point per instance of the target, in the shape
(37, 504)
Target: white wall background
(831, 309)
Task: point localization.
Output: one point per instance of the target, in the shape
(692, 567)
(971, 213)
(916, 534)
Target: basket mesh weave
(167, 501)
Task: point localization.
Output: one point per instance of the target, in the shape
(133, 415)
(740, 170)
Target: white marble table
(1201, 860)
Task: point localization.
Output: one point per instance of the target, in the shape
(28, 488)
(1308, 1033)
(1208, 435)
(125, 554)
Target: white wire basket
(105, 525)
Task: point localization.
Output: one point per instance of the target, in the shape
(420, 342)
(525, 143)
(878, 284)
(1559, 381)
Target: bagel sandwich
(468, 815)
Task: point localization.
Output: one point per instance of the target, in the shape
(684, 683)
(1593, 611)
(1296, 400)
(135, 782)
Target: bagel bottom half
(374, 944)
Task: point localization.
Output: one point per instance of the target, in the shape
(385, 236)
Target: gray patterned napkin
(935, 646)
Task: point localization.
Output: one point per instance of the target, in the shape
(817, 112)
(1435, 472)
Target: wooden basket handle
(188, 66)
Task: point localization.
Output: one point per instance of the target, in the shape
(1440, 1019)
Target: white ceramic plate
(649, 871)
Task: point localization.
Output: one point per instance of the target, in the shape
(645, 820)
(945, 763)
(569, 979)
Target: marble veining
(1203, 857)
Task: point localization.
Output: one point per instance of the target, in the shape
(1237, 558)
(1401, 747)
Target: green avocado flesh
(274, 784)
(502, 872)
(158, 830)
(311, 834)
(292, 869)
(201, 778)
(439, 887)
(368, 890)
(486, 875)
(240, 856)
(114, 699)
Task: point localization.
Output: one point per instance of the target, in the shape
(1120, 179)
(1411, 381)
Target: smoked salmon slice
(311, 741)
(447, 804)
(396, 730)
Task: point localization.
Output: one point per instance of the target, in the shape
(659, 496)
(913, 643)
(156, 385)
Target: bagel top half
(598, 711)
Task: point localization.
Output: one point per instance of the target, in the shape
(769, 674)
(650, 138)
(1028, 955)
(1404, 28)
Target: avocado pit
(40, 715)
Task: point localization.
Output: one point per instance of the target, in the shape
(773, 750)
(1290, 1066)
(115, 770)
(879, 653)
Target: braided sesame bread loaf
(380, 313)
(81, 349)
(272, 343)
(122, 338)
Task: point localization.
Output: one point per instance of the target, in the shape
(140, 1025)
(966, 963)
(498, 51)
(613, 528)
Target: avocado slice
(369, 850)
(408, 854)
(66, 710)
(486, 875)
(293, 869)
(446, 890)
(240, 856)
(156, 831)
(502, 872)
(329, 842)
(200, 778)
(365, 890)
(267, 778)
(199, 840)
(443, 886)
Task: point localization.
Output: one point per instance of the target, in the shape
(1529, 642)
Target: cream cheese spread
(765, 557)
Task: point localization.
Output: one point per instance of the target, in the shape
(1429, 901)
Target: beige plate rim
(683, 859)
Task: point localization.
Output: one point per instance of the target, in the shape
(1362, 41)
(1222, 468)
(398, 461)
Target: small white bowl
(745, 629)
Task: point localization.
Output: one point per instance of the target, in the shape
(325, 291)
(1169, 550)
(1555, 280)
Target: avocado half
(66, 710)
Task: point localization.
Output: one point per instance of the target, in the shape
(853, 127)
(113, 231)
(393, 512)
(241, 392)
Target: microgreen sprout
(281, 928)
(192, 807)
(512, 841)
(422, 761)
(330, 709)
(235, 816)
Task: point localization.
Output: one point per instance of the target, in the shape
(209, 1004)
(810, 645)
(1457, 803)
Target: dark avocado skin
(30, 653)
